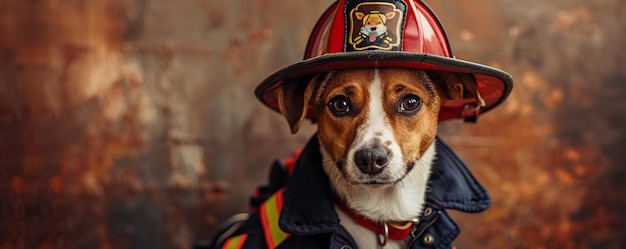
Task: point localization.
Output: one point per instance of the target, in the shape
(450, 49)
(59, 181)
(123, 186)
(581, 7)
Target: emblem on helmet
(375, 25)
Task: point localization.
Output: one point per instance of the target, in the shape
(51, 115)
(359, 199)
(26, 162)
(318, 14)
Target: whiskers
(337, 176)
(418, 171)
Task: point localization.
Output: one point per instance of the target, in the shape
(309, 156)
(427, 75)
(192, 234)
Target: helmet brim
(494, 85)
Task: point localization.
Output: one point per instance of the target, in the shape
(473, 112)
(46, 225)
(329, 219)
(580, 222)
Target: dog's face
(374, 125)
(374, 23)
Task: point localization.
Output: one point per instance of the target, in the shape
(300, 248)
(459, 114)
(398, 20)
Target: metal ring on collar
(385, 235)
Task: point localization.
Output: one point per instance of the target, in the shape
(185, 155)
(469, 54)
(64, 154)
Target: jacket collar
(309, 204)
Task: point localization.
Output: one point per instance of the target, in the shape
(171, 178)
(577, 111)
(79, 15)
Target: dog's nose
(371, 160)
(373, 28)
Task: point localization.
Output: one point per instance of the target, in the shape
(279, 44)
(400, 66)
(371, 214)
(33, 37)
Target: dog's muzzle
(372, 160)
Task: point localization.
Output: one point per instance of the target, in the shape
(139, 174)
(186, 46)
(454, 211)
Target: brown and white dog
(376, 129)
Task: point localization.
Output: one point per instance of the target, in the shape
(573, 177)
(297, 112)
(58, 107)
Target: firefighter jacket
(302, 215)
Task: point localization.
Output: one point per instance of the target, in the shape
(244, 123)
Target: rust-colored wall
(551, 156)
(132, 123)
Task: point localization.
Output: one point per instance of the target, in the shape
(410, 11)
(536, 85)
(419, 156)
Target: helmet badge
(375, 25)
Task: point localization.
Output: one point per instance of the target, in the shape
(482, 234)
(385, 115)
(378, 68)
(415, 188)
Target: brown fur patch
(413, 133)
(337, 133)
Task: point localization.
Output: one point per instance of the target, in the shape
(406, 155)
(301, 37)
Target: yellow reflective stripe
(270, 214)
(235, 242)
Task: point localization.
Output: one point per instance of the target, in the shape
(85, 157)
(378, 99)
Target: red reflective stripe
(292, 163)
(266, 227)
(270, 213)
(235, 242)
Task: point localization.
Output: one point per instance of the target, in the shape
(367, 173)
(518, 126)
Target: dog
(376, 130)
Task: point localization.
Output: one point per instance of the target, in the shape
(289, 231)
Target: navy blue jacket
(309, 214)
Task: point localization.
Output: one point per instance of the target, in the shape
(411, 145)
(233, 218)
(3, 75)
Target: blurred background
(133, 124)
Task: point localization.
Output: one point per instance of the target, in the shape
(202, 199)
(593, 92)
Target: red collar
(396, 230)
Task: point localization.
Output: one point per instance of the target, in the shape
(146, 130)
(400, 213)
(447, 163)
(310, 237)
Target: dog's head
(374, 125)
(374, 21)
(374, 18)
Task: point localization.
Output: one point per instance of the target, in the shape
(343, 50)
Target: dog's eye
(409, 104)
(340, 105)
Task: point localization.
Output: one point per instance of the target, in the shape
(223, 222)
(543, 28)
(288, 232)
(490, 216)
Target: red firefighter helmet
(412, 37)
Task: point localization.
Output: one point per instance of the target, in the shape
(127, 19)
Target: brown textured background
(132, 123)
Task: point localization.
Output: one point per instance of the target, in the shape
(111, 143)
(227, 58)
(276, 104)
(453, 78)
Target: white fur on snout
(375, 131)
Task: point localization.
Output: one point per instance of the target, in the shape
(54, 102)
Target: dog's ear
(294, 98)
(456, 86)
(359, 15)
